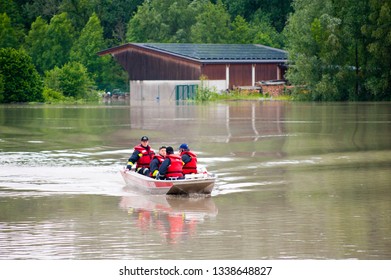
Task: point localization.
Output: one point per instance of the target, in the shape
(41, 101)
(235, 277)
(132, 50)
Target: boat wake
(38, 181)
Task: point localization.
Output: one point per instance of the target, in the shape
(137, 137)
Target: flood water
(295, 181)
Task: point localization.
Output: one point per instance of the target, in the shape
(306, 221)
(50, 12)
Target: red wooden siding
(214, 71)
(144, 65)
(240, 75)
(266, 72)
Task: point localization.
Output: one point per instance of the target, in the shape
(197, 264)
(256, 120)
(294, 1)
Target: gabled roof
(214, 53)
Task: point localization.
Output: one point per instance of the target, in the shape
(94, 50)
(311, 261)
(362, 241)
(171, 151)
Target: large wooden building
(156, 70)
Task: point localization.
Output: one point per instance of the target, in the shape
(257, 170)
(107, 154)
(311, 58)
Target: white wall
(165, 90)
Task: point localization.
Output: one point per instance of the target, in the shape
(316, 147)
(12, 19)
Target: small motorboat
(201, 183)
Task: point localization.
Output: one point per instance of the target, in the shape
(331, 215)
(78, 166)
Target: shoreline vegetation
(234, 95)
(204, 96)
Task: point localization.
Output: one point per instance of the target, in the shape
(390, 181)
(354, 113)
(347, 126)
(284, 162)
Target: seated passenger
(171, 168)
(157, 160)
(189, 158)
(142, 156)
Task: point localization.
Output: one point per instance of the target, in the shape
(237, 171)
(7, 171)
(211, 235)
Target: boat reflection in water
(174, 217)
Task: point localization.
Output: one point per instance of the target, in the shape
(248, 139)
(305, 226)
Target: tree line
(338, 50)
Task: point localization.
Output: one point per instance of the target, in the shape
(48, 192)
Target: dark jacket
(171, 167)
(155, 164)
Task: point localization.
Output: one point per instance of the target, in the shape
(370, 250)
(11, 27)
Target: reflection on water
(172, 217)
(295, 181)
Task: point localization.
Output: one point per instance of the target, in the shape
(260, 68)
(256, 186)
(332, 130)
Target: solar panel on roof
(219, 51)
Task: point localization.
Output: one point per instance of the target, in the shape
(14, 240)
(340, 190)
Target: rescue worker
(142, 156)
(189, 159)
(157, 161)
(171, 168)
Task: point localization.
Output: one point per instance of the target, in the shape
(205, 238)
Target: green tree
(340, 49)
(378, 32)
(7, 32)
(115, 16)
(264, 32)
(60, 36)
(114, 76)
(72, 80)
(78, 11)
(106, 73)
(87, 45)
(163, 21)
(21, 81)
(36, 44)
(180, 16)
(1, 88)
(146, 25)
(11, 24)
(49, 45)
(354, 14)
(318, 46)
(45, 9)
(276, 11)
(241, 31)
(212, 24)
(259, 31)
(9, 7)
(13, 10)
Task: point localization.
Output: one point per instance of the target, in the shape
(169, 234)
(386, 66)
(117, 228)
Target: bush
(51, 95)
(72, 80)
(1, 88)
(20, 80)
(204, 93)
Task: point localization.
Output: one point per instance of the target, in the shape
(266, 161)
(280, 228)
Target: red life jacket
(191, 166)
(175, 168)
(159, 157)
(145, 156)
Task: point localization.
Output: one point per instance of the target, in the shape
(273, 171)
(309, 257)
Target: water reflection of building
(236, 122)
(174, 218)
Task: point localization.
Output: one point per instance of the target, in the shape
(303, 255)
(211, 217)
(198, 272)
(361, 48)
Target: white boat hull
(192, 184)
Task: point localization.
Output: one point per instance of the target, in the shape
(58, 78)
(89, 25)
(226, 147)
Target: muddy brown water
(295, 181)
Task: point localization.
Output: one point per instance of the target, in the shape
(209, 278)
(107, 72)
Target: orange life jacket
(175, 168)
(145, 156)
(191, 166)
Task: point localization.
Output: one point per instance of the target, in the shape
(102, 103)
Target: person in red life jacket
(157, 161)
(171, 168)
(189, 159)
(141, 156)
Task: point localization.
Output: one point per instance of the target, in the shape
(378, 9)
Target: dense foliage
(19, 81)
(339, 50)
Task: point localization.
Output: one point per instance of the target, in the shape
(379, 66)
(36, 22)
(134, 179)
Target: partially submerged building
(173, 71)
